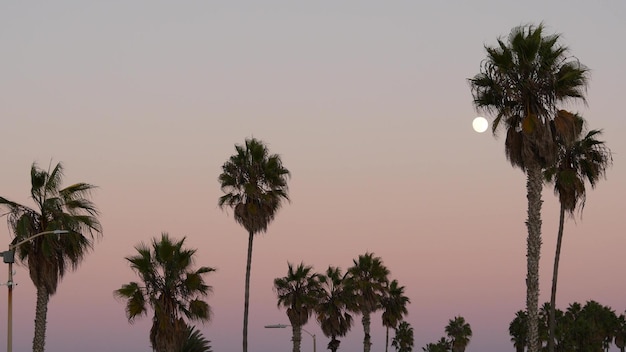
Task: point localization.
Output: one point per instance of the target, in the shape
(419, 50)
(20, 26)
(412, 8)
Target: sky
(368, 104)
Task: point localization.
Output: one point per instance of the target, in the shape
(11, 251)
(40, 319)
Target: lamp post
(282, 326)
(9, 258)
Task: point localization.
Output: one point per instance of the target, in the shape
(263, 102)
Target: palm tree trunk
(387, 340)
(247, 293)
(334, 344)
(367, 344)
(534, 185)
(41, 314)
(297, 337)
(555, 275)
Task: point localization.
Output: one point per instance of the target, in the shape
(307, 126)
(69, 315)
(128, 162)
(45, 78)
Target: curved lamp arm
(56, 232)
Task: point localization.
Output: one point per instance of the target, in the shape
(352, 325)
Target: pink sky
(368, 105)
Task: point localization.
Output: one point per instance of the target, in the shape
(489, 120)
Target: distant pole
(10, 310)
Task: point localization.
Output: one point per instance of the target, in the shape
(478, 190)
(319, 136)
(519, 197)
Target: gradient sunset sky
(368, 104)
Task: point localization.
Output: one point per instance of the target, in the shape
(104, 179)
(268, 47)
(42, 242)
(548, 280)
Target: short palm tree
(460, 333)
(518, 329)
(50, 257)
(522, 81)
(403, 341)
(368, 282)
(584, 159)
(298, 292)
(170, 287)
(331, 309)
(394, 304)
(255, 183)
(442, 345)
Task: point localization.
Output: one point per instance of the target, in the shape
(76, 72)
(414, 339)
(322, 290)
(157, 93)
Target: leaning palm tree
(522, 81)
(298, 292)
(49, 257)
(394, 304)
(403, 341)
(459, 333)
(255, 183)
(331, 308)
(368, 281)
(584, 159)
(170, 287)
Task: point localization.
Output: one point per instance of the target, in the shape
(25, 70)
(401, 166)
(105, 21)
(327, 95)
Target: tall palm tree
(255, 183)
(403, 341)
(368, 281)
(459, 333)
(170, 287)
(298, 292)
(394, 304)
(332, 307)
(521, 81)
(49, 257)
(584, 159)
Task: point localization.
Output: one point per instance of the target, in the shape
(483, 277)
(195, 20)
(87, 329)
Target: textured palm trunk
(247, 293)
(297, 337)
(533, 223)
(41, 314)
(555, 274)
(367, 344)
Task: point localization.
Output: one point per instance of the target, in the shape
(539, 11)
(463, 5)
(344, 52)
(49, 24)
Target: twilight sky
(368, 104)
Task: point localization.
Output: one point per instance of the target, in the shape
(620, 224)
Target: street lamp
(9, 258)
(282, 326)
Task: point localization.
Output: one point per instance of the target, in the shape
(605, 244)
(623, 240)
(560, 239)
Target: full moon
(480, 124)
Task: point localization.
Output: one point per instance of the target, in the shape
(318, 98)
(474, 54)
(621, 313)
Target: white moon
(480, 124)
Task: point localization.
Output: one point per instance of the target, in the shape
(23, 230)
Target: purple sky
(368, 105)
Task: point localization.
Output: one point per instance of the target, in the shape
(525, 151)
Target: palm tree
(583, 159)
(403, 341)
(522, 80)
(442, 345)
(49, 257)
(368, 282)
(459, 333)
(331, 308)
(394, 305)
(255, 183)
(518, 329)
(298, 292)
(193, 341)
(170, 287)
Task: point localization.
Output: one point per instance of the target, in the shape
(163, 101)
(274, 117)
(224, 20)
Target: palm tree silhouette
(394, 304)
(332, 306)
(521, 82)
(50, 257)
(298, 292)
(255, 183)
(170, 287)
(367, 279)
(583, 159)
